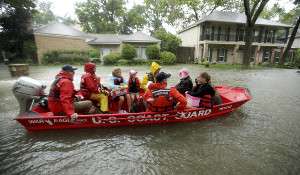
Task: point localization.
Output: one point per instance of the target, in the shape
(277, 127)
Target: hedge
(167, 58)
(70, 56)
(111, 58)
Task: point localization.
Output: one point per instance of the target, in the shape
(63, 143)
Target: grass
(225, 66)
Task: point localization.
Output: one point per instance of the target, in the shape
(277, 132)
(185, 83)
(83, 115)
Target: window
(137, 53)
(266, 56)
(252, 55)
(221, 54)
(208, 32)
(269, 37)
(241, 34)
(277, 56)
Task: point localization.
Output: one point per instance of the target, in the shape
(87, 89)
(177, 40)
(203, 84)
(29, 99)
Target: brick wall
(46, 43)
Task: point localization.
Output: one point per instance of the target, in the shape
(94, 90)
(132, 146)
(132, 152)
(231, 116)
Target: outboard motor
(28, 92)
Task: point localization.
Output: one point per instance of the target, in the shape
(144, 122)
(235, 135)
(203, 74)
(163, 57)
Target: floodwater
(261, 137)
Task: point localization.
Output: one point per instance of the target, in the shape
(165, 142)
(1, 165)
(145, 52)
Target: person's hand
(105, 92)
(180, 114)
(74, 116)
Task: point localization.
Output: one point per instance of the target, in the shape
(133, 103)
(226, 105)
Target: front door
(105, 51)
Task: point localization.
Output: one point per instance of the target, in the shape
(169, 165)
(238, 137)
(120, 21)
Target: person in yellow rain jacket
(150, 77)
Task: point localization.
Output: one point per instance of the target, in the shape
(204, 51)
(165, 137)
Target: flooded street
(261, 137)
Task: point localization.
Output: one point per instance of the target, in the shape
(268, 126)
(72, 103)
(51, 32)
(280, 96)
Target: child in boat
(118, 82)
(204, 90)
(134, 87)
(186, 83)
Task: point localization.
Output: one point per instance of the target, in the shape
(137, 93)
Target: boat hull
(34, 120)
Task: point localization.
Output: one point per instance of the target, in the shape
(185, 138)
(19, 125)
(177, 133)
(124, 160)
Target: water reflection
(261, 137)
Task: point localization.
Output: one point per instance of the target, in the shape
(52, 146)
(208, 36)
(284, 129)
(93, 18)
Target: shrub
(152, 52)
(94, 54)
(48, 58)
(95, 60)
(169, 42)
(70, 56)
(167, 57)
(205, 63)
(134, 62)
(128, 52)
(289, 65)
(111, 58)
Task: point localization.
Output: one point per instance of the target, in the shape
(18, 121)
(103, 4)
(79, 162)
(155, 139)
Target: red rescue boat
(39, 117)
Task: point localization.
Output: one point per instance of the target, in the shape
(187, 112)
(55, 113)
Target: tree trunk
(248, 45)
(286, 51)
(252, 15)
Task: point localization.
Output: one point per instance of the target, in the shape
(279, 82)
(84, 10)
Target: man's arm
(66, 92)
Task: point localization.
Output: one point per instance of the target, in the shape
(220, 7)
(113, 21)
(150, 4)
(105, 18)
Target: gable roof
(60, 29)
(237, 18)
(138, 37)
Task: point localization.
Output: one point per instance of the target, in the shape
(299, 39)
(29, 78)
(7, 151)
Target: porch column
(256, 56)
(205, 50)
(197, 53)
(236, 53)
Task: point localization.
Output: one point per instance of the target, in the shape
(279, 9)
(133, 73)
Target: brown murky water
(261, 137)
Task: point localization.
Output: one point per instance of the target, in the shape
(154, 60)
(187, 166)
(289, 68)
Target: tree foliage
(109, 16)
(169, 42)
(156, 14)
(185, 12)
(16, 28)
(44, 15)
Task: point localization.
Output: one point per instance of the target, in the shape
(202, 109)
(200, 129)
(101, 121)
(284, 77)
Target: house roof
(116, 39)
(57, 28)
(237, 18)
(60, 29)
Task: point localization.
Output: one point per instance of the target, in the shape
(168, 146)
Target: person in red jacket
(92, 89)
(61, 99)
(160, 98)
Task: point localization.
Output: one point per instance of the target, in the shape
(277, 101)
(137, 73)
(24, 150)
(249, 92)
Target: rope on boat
(226, 91)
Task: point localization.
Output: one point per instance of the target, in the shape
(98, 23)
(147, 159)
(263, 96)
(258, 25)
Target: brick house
(220, 37)
(58, 36)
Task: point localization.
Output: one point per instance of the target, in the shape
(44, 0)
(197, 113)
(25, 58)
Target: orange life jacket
(162, 100)
(134, 86)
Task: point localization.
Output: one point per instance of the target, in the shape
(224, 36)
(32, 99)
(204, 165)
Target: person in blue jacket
(118, 82)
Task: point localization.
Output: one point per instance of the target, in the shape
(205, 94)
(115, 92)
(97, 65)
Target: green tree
(109, 16)
(44, 15)
(185, 12)
(290, 43)
(169, 42)
(252, 15)
(99, 16)
(128, 52)
(156, 11)
(16, 28)
(133, 20)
